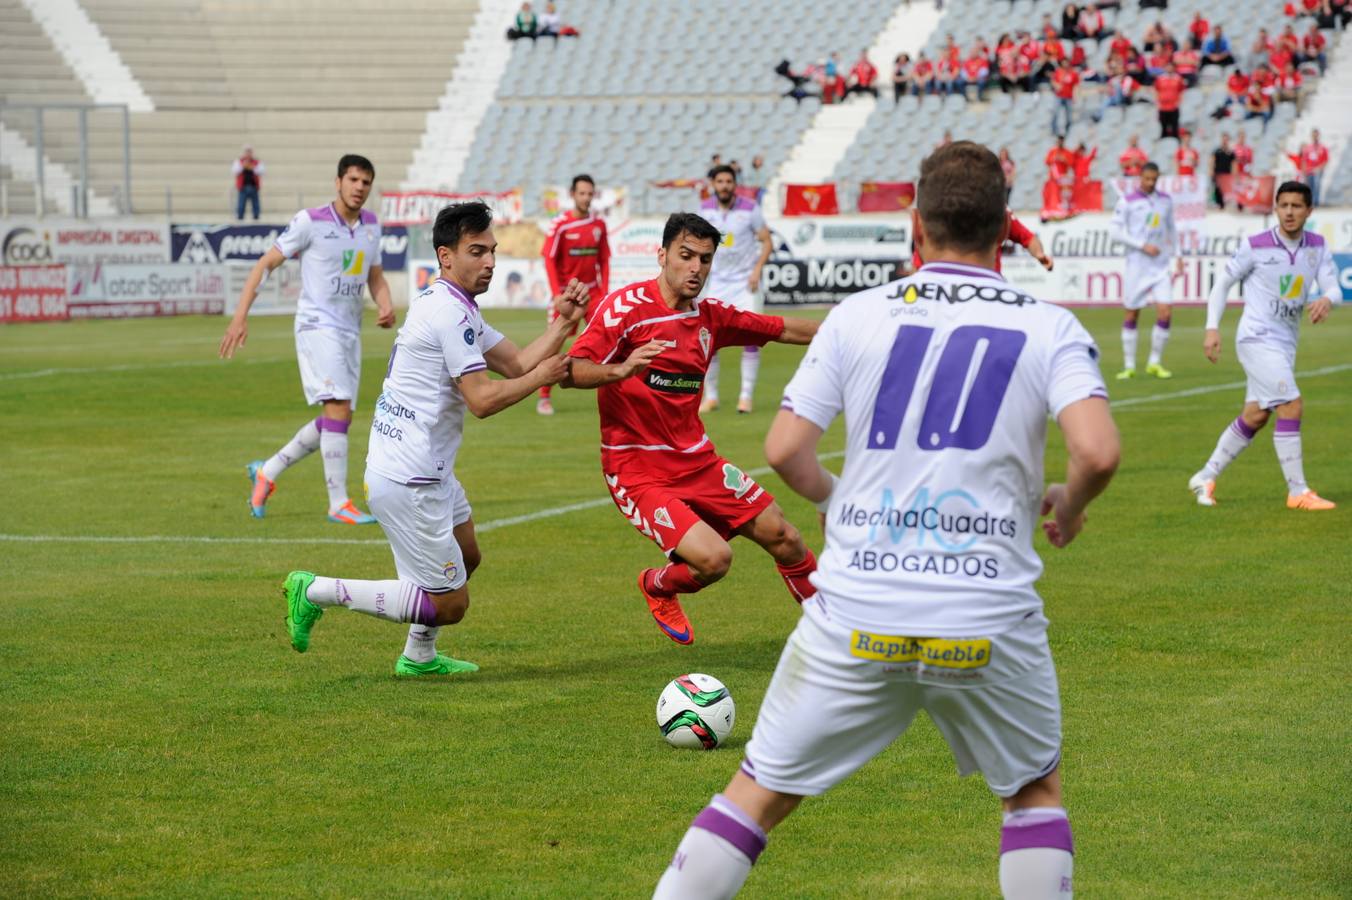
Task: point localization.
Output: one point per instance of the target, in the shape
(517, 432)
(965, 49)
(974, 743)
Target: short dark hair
(689, 223)
(719, 170)
(961, 197)
(458, 220)
(1150, 167)
(1295, 187)
(351, 159)
(580, 178)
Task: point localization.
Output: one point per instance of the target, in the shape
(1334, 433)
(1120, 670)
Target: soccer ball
(696, 711)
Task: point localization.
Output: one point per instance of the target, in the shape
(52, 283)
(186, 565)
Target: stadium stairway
(87, 52)
(1329, 110)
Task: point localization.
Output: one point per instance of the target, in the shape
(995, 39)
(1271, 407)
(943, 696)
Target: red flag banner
(1061, 200)
(810, 200)
(1250, 193)
(886, 196)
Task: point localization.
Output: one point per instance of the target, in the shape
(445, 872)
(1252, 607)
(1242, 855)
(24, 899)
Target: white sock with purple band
(1234, 440)
(1159, 336)
(305, 442)
(394, 601)
(711, 379)
(715, 856)
(1286, 441)
(750, 369)
(333, 441)
(1036, 854)
(421, 645)
(1128, 345)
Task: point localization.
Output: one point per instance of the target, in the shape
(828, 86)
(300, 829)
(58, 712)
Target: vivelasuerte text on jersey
(945, 379)
(738, 250)
(420, 413)
(335, 263)
(1280, 276)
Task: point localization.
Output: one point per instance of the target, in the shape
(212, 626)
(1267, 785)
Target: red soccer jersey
(1132, 160)
(1121, 46)
(1186, 157)
(1313, 43)
(1237, 84)
(1313, 156)
(1243, 158)
(1063, 83)
(657, 410)
(1168, 92)
(577, 247)
(1280, 58)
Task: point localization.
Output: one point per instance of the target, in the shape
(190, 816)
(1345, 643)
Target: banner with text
(124, 290)
(421, 207)
(235, 243)
(32, 294)
(41, 242)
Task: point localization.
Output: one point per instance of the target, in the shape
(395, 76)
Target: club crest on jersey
(451, 571)
(469, 336)
(596, 233)
(662, 517)
(1291, 287)
(737, 481)
(353, 261)
(705, 339)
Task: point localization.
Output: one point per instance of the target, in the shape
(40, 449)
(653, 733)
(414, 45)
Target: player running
(576, 247)
(1144, 221)
(926, 594)
(339, 250)
(438, 368)
(659, 464)
(735, 278)
(1281, 269)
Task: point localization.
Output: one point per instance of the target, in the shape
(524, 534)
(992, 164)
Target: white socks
(1159, 336)
(421, 646)
(302, 445)
(333, 442)
(1234, 440)
(715, 856)
(750, 369)
(711, 379)
(1036, 855)
(1129, 347)
(1286, 441)
(394, 601)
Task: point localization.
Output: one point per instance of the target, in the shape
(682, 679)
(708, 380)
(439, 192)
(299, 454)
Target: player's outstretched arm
(1093, 448)
(798, 331)
(486, 396)
(791, 450)
(237, 332)
(511, 361)
(587, 374)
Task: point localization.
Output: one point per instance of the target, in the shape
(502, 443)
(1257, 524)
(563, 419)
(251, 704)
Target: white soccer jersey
(737, 253)
(1139, 219)
(335, 262)
(945, 379)
(420, 413)
(1280, 277)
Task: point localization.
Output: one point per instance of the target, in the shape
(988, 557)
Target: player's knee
(451, 608)
(1255, 418)
(713, 564)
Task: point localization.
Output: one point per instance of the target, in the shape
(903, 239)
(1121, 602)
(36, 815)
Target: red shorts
(664, 506)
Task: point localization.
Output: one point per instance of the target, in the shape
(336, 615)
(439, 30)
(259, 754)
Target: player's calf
(784, 542)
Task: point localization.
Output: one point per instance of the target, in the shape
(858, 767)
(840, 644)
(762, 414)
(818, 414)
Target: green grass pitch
(159, 737)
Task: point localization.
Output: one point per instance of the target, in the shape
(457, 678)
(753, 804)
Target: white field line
(550, 513)
(134, 367)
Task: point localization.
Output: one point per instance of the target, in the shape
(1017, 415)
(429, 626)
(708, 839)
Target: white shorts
(834, 703)
(1271, 373)
(740, 297)
(419, 521)
(330, 364)
(1145, 287)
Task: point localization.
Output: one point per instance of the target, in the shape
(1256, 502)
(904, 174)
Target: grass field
(159, 737)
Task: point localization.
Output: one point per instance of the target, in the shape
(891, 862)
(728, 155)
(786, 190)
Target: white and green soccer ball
(696, 711)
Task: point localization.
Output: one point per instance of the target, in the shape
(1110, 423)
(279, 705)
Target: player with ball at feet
(945, 380)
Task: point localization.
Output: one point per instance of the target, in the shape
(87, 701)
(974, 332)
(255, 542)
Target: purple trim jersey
(420, 413)
(1280, 277)
(1140, 219)
(945, 380)
(335, 263)
(738, 251)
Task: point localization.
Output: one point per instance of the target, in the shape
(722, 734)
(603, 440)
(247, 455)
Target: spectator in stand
(1283, 54)
(1007, 165)
(1312, 49)
(1159, 39)
(1261, 47)
(1237, 88)
(1187, 62)
(1061, 171)
(1169, 89)
(1222, 163)
(1090, 24)
(1243, 155)
(1121, 47)
(1197, 30)
(831, 66)
(1048, 30)
(1070, 22)
(1288, 86)
(1314, 159)
(863, 74)
(833, 80)
(1007, 63)
(1216, 50)
(526, 25)
(1065, 81)
(1186, 156)
(248, 172)
(757, 177)
(901, 76)
(975, 71)
(1030, 55)
(947, 74)
(550, 23)
(922, 76)
(1119, 90)
(1257, 104)
(1157, 62)
(1083, 161)
(1334, 14)
(1132, 158)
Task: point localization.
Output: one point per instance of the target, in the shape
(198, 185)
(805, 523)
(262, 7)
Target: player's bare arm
(380, 293)
(237, 332)
(791, 450)
(798, 331)
(1039, 253)
(1093, 449)
(766, 248)
(485, 396)
(511, 361)
(587, 374)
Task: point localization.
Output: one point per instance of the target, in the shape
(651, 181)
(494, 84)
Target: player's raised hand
(1319, 310)
(1211, 344)
(385, 316)
(643, 356)
(236, 333)
(1039, 253)
(552, 369)
(571, 302)
(1062, 528)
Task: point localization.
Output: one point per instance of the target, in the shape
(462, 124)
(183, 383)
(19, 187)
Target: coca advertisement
(45, 242)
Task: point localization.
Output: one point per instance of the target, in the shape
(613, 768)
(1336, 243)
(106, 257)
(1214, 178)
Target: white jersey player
(437, 370)
(1285, 270)
(926, 593)
(339, 250)
(735, 276)
(1143, 220)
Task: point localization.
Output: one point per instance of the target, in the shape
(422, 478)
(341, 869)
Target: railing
(80, 187)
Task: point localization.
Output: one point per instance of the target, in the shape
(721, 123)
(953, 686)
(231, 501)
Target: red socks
(796, 577)
(674, 578)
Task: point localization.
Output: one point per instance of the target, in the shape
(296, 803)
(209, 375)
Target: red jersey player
(647, 348)
(576, 247)
(1019, 233)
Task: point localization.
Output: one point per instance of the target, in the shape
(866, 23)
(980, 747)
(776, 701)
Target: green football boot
(442, 665)
(301, 614)
(1158, 371)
